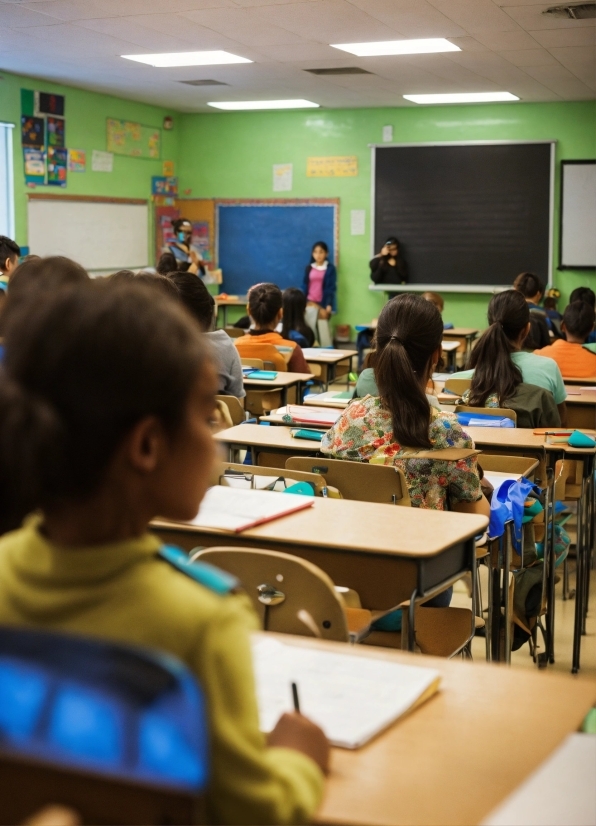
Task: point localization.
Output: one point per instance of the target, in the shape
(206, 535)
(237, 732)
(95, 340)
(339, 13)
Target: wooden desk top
(466, 332)
(323, 355)
(448, 346)
(575, 396)
(239, 301)
(281, 380)
(519, 438)
(254, 435)
(367, 527)
(451, 761)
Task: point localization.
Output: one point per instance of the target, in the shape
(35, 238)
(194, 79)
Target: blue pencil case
(301, 433)
(264, 375)
(483, 420)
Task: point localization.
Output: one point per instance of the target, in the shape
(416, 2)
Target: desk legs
(499, 568)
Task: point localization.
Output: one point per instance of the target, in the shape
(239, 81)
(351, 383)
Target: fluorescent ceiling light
(186, 58)
(386, 47)
(264, 104)
(462, 97)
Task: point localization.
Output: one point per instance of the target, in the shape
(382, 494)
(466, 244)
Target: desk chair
(265, 352)
(458, 386)
(235, 408)
(503, 412)
(259, 402)
(235, 332)
(261, 477)
(114, 732)
(290, 594)
(258, 364)
(358, 480)
(440, 632)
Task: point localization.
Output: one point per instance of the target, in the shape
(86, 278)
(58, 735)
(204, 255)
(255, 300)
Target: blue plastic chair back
(102, 708)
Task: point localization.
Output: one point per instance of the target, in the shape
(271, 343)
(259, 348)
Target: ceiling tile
(531, 18)
(244, 26)
(411, 18)
(572, 89)
(580, 60)
(475, 15)
(566, 37)
(529, 57)
(89, 9)
(326, 21)
(13, 17)
(128, 29)
(303, 51)
(502, 41)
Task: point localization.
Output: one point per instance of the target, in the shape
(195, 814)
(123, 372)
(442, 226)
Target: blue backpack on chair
(115, 732)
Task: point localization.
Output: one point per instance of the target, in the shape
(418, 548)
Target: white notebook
(229, 509)
(352, 699)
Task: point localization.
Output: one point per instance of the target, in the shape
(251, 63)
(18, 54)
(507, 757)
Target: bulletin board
(201, 214)
(271, 240)
(133, 139)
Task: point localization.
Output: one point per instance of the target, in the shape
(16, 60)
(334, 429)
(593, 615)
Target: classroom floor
(564, 617)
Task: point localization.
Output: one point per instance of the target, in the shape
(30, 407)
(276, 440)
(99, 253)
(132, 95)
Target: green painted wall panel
(230, 155)
(86, 114)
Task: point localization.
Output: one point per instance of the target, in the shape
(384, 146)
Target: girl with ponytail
(504, 375)
(396, 425)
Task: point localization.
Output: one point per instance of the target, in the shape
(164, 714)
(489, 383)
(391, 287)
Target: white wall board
(578, 214)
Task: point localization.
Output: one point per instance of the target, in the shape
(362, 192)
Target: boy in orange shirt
(572, 357)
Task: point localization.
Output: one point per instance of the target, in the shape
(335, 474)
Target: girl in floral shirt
(396, 426)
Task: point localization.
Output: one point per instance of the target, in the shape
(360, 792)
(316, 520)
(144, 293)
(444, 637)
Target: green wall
(86, 114)
(230, 155)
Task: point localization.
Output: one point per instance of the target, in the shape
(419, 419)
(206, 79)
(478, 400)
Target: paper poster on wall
(102, 161)
(133, 139)
(387, 134)
(282, 177)
(47, 103)
(201, 239)
(57, 165)
(161, 185)
(167, 230)
(55, 131)
(167, 169)
(77, 160)
(334, 166)
(27, 102)
(32, 132)
(35, 167)
(357, 221)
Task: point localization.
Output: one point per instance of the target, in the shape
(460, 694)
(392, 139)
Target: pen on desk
(295, 697)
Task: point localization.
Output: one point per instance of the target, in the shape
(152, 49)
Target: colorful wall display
(57, 165)
(55, 131)
(161, 185)
(77, 160)
(47, 103)
(334, 166)
(32, 132)
(35, 166)
(133, 139)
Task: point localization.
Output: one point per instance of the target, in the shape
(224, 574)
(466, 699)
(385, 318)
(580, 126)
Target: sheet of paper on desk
(314, 415)
(229, 509)
(333, 689)
(497, 477)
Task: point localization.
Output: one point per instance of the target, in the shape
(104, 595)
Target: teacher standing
(388, 267)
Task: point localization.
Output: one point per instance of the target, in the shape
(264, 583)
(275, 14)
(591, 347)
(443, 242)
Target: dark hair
(550, 303)
(122, 275)
(158, 282)
(583, 294)
(528, 284)
(294, 306)
(195, 296)
(578, 319)
(177, 223)
(183, 266)
(391, 241)
(88, 364)
(409, 331)
(320, 244)
(494, 370)
(8, 249)
(167, 263)
(264, 303)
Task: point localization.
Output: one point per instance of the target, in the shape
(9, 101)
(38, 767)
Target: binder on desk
(261, 375)
(351, 699)
(319, 416)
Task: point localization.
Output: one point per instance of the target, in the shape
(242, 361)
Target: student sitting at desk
(391, 428)
(104, 427)
(201, 305)
(265, 309)
(497, 380)
(293, 325)
(589, 297)
(532, 289)
(509, 313)
(572, 357)
(9, 260)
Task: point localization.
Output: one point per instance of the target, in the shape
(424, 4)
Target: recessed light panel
(389, 47)
(187, 58)
(462, 97)
(238, 105)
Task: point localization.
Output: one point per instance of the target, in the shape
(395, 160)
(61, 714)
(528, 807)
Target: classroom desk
(581, 407)
(285, 381)
(450, 348)
(276, 417)
(455, 758)
(573, 380)
(329, 359)
(260, 439)
(462, 335)
(329, 399)
(224, 303)
(379, 550)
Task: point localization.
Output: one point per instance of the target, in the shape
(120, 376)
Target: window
(6, 181)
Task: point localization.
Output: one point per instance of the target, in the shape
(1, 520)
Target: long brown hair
(494, 371)
(409, 331)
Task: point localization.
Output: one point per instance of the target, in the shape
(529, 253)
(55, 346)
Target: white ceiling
(507, 45)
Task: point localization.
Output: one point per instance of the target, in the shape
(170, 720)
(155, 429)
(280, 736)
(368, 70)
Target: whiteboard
(578, 214)
(99, 235)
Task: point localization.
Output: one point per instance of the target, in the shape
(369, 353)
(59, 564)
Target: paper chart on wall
(102, 161)
(282, 177)
(357, 221)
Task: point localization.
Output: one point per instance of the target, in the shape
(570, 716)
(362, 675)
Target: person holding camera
(388, 267)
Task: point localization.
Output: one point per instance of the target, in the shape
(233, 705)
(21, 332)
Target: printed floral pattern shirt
(364, 433)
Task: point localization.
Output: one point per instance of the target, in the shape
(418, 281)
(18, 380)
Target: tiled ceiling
(506, 45)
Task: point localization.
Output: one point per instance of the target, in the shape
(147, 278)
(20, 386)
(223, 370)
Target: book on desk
(230, 509)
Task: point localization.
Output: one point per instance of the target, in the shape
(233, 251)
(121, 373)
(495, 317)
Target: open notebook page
(350, 698)
(229, 509)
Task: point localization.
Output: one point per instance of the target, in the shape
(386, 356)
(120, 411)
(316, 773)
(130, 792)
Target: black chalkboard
(466, 214)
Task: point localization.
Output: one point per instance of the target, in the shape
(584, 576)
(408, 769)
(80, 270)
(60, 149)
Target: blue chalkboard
(271, 241)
